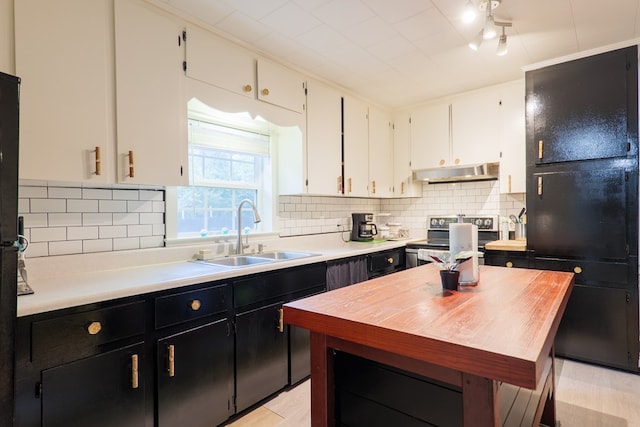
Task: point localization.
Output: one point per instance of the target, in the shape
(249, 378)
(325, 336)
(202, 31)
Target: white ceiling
(402, 52)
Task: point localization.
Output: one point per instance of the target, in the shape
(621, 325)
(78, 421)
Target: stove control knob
(434, 221)
(441, 221)
(488, 223)
(478, 222)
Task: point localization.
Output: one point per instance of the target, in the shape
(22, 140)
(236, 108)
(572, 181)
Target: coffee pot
(363, 229)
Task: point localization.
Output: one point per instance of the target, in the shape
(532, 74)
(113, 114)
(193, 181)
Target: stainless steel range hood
(477, 172)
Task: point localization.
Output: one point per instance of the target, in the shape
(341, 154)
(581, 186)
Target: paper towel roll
(464, 237)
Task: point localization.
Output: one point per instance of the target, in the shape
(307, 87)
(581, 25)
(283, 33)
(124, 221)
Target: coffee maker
(363, 229)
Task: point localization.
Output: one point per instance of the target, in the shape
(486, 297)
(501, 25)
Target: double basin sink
(239, 261)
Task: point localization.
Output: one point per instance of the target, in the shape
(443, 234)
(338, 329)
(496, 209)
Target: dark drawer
(78, 335)
(594, 273)
(183, 307)
(280, 285)
(506, 259)
(385, 262)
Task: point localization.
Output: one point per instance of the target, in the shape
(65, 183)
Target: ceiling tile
(342, 14)
(291, 20)
(243, 28)
(423, 25)
(396, 11)
(255, 9)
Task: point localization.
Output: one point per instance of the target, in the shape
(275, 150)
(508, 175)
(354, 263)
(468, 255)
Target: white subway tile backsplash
(48, 205)
(127, 243)
(97, 245)
(139, 206)
(113, 231)
(65, 248)
(82, 205)
(63, 220)
(50, 234)
(30, 192)
(97, 194)
(64, 193)
(112, 206)
(97, 219)
(82, 233)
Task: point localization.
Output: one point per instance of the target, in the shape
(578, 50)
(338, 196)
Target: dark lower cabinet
(261, 355)
(597, 327)
(104, 390)
(509, 259)
(195, 376)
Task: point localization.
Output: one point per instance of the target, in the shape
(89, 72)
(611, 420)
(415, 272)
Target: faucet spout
(256, 219)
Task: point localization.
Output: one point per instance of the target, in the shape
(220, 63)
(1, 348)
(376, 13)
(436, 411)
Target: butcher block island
(398, 350)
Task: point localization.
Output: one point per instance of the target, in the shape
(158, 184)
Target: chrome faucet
(256, 219)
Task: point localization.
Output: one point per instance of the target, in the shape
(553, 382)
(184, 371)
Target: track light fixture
(490, 29)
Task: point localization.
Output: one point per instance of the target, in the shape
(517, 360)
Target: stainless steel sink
(283, 255)
(238, 261)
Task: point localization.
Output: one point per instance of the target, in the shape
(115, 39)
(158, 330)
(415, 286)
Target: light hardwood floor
(586, 396)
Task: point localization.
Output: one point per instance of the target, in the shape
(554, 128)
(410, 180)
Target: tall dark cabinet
(582, 199)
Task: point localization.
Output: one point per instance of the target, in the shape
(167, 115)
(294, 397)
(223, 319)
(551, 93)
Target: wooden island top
(501, 330)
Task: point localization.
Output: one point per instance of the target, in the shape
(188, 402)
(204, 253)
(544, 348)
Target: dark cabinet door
(261, 355)
(583, 109)
(598, 327)
(579, 212)
(104, 390)
(195, 376)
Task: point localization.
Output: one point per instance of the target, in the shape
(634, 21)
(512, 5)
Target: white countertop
(68, 281)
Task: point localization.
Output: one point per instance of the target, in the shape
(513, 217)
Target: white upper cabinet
(513, 138)
(475, 127)
(430, 142)
(380, 153)
(280, 86)
(356, 147)
(403, 183)
(214, 60)
(151, 109)
(63, 56)
(324, 140)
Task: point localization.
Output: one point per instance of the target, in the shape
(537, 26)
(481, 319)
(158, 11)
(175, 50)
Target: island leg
(322, 382)
(480, 401)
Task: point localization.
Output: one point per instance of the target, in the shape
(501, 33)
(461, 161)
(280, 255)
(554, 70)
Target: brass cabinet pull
(265, 92)
(134, 371)
(577, 269)
(373, 186)
(281, 320)
(94, 328)
(339, 181)
(509, 264)
(540, 149)
(247, 88)
(131, 174)
(509, 185)
(98, 162)
(402, 188)
(539, 186)
(350, 186)
(171, 360)
(195, 305)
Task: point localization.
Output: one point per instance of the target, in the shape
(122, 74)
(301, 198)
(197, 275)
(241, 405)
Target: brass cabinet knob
(265, 91)
(247, 88)
(509, 264)
(94, 328)
(195, 305)
(390, 260)
(577, 269)
(441, 162)
(457, 161)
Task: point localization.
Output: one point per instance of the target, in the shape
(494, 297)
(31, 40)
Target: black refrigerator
(582, 199)
(9, 108)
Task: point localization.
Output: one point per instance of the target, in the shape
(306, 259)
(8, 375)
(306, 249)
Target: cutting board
(507, 245)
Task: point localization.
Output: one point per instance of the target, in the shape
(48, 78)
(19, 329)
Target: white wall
(7, 45)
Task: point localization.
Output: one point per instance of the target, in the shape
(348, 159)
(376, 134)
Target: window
(229, 161)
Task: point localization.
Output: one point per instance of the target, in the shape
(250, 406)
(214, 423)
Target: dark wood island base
(397, 350)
